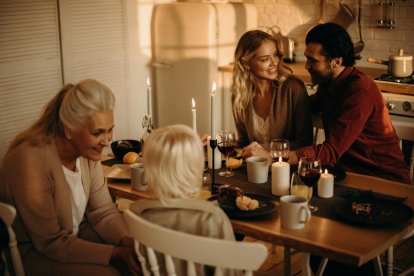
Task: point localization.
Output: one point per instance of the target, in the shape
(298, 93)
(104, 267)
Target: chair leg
(322, 266)
(389, 261)
(286, 257)
(377, 266)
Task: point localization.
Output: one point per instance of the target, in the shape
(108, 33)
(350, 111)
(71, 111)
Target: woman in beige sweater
(268, 101)
(67, 223)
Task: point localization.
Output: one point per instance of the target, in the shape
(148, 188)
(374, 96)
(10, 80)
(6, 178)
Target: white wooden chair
(8, 214)
(191, 248)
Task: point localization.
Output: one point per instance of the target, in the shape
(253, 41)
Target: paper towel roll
(280, 178)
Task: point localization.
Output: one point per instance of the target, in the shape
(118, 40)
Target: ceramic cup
(294, 212)
(138, 182)
(257, 169)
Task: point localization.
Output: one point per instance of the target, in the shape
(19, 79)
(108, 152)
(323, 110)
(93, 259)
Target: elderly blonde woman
(268, 101)
(67, 223)
(174, 162)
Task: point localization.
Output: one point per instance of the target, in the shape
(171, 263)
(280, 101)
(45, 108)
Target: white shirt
(78, 198)
(261, 130)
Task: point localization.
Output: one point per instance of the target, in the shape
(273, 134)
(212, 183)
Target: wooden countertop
(300, 71)
(387, 87)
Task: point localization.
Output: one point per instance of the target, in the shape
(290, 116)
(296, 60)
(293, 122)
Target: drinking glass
(309, 170)
(225, 142)
(297, 187)
(279, 148)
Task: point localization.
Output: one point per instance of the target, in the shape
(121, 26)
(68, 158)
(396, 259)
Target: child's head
(174, 162)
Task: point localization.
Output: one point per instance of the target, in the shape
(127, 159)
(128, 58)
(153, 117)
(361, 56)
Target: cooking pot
(400, 66)
(286, 45)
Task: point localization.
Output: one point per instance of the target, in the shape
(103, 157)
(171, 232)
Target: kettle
(286, 45)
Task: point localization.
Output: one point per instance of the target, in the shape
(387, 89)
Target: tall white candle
(280, 178)
(213, 112)
(194, 115)
(149, 103)
(326, 185)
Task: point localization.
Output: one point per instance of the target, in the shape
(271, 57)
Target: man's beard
(320, 79)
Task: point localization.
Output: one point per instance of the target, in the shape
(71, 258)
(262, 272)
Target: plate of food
(238, 205)
(374, 212)
(119, 171)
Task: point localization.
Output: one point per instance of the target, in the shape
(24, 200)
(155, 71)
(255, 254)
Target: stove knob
(391, 106)
(406, 106)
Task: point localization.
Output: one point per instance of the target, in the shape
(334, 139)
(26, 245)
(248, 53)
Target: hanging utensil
(359, 46)
(345, 16)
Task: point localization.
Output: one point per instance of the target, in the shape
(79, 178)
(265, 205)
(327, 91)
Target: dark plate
(266, 207)
(383, 213)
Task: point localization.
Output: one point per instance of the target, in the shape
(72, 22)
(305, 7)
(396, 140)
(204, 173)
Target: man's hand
(254, 149)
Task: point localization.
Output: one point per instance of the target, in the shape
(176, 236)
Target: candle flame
(148, 81)
(280, 159)
(326, 171)
(193, 102)
(213, 88)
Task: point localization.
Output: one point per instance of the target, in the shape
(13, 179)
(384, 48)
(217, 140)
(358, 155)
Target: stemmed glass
(297, 187)
(309, 170)
(279, 148)
(225, 143)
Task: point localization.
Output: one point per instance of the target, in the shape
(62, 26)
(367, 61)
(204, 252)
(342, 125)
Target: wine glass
(309, 170)
(297, 187)
(279, 148)
(225, 143)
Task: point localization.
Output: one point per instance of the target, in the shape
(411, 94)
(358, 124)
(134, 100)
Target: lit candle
(213, 112)
(194, 113)
(326, 185)
(280, 177)
(149, 105)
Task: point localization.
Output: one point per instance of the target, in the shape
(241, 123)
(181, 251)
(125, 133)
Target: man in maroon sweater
(359, 135)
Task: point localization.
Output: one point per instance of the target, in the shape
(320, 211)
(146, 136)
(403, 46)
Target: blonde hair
(244, 81)
(69, 107)
(174, 162)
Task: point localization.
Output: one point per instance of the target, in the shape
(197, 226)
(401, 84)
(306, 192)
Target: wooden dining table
(335, 239)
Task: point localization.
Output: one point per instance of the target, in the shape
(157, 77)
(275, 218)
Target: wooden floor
(403, 259)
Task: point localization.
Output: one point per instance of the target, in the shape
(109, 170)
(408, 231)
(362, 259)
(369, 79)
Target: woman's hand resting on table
(124, 257)
(254, 149)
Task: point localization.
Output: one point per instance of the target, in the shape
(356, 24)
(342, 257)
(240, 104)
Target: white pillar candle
(326, 185)
(194, 115)
(149, 103)
(280, 178)
(213, 111)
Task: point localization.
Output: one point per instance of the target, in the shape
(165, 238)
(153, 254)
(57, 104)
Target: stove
(390, 78)
(398, 94)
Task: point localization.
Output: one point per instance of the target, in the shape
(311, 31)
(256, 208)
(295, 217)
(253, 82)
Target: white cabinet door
(30, 63)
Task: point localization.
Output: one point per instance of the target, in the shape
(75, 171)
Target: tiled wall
(296, 17)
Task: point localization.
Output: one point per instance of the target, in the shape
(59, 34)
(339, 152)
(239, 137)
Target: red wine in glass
(276, 159)
(226, 148)
(310, 176)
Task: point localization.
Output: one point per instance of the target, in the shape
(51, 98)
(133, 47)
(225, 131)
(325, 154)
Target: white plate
(119, 171)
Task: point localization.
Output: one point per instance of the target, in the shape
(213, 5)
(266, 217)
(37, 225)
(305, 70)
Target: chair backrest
(192, 248)
(8, 214)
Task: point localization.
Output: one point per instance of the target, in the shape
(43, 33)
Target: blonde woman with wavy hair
(268, 101)
(67, 223)
(174, 162)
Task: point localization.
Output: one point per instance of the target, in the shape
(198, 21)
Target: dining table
(327, 234)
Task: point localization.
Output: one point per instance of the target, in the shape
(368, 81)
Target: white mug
(138, 181)
(294, 212)
(257, 169)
